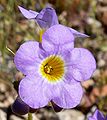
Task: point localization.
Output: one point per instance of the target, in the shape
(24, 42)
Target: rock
(13, 117)
(19, 76)
(3, 87)
(103, 12)
(96, 73)
(85, 102)
(46, 114)
(2, 115)
(6, 97)
(94, 95)
(34, 117)
(88, 83)
(104, 91)
(101, 63)
(92, 21)
(103, 2)
(70, 115)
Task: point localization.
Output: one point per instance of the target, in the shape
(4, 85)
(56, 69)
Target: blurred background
(87, 16)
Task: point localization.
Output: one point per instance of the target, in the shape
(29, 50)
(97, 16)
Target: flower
(53, 73)
(47, 18)
(97, 116)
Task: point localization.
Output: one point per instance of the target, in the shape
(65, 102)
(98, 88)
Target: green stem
(30, 116)
(41, 33)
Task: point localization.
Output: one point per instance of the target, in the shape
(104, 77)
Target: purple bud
(55, 107)
(19, 107)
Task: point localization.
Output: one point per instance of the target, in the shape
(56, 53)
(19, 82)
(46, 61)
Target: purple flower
(97, 116)
(47, 18)
(53, 72)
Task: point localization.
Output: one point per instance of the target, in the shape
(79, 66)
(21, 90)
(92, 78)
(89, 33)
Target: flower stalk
(30, 116)
(10, 50)
(40, 34)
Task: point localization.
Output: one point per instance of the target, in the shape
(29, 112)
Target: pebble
(2, 115)
(71, 115)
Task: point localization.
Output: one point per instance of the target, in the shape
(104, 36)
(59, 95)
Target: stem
(30, 116)
(10, 50)
(41, 33)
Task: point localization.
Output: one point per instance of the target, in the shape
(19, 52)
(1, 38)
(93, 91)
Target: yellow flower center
(52, 68)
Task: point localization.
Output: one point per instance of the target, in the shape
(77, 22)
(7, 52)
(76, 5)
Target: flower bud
(19, 107)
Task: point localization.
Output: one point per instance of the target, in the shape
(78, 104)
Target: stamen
(48, 69)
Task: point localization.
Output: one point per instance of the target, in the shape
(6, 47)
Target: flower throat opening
(48, 69)
(52, 68)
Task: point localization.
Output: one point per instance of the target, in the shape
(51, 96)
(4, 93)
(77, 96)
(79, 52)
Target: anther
(48, 69)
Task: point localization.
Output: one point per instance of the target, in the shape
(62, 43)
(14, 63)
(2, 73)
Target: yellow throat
(52, 68)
